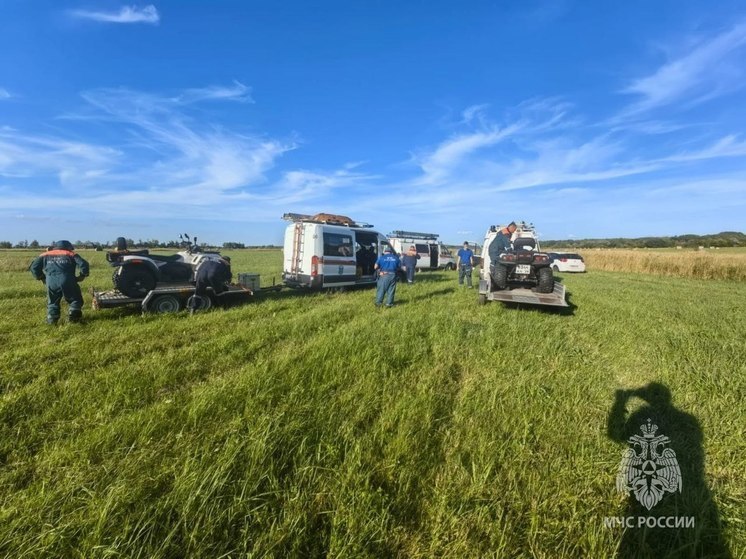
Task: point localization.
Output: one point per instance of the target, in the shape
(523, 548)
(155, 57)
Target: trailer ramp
(523, 295)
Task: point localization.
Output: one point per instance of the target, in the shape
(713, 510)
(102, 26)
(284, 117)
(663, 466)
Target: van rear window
(336, 244)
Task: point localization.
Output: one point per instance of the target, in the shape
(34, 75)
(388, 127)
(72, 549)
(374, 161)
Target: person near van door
(366, 258)
(56, 268)
(387, 266)
(465, 264)
(409, 262)
(215, 274)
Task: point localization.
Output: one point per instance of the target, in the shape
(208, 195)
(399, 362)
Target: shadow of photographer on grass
(670, 510)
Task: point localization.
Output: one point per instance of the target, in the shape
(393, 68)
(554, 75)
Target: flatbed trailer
(522, 295)
(167, 297)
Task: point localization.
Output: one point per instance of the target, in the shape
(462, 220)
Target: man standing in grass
(409, 262)
(56, 268)
(465, 264)
(387, 265)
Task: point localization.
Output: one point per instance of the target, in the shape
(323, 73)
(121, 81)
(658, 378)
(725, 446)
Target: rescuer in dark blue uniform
(211, 273)
(501, 243)
(56, 268)
(387, 265)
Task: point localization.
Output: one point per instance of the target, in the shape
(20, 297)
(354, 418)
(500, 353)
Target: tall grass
(708, 264)
(318, 426)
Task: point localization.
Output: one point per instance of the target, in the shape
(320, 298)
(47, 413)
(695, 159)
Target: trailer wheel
(546, 281)
(555, 268)
(482, 299)
(165, 304)
(134, 282)
(500, 276)
(199, 303)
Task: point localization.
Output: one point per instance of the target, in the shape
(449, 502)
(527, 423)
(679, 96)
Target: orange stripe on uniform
(58, 252)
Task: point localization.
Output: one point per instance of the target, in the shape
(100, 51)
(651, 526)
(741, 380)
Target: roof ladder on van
(298, 234)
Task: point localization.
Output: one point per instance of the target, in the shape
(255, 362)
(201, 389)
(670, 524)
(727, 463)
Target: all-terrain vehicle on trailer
(522, 274)
(525, 264)
(137, 272)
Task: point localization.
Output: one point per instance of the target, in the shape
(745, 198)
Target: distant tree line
(724, 239)
(140, 243)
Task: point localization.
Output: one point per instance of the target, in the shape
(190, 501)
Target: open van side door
(338, 256)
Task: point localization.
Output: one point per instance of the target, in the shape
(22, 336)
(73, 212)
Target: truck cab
(324, 251)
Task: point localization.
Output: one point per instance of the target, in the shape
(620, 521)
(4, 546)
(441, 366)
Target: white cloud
(236, 92)
(166, 159)
(728, 146)
(4, 94)
(438, 165)
(711, 69)
(475, 112)
(127, 14)
(23, 155)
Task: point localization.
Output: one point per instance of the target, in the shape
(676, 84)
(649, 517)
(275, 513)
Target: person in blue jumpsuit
(56, 268)
(387, 266)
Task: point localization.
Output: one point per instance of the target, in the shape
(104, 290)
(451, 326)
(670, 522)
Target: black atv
(523, 265)
(138, 271)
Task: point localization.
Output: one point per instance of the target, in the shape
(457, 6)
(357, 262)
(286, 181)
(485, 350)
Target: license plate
(523, 269)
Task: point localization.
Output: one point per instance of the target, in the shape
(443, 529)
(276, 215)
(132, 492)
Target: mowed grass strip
(314, 425)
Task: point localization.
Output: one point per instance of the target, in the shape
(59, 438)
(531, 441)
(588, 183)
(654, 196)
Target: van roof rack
(328, 219)
(414, 235)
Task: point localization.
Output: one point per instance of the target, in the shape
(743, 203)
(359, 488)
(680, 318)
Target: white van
(325, 251)
(433, 254)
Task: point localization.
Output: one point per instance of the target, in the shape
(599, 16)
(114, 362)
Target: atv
(525, 264)
(138, 271)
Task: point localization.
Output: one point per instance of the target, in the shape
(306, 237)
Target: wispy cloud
(541, 145)
(439, 164)
(711, 69)
(24, 155)
(728, 146)
(126, 14)
(166, 159)
(236, 92)
(4, 94)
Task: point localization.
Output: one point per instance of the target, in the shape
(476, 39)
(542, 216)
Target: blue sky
(590, 119)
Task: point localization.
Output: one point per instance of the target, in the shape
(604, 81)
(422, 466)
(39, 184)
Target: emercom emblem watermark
(648, 470)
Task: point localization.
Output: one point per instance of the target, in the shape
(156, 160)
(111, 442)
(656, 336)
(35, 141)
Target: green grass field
(316, 425)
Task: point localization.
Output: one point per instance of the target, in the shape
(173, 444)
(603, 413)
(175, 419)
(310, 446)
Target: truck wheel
(165, 304)
(500, 276)
(134, 282)
(546, 280)
(450, 266)
(482, 299)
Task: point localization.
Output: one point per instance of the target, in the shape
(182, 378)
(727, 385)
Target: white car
(567, 262)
